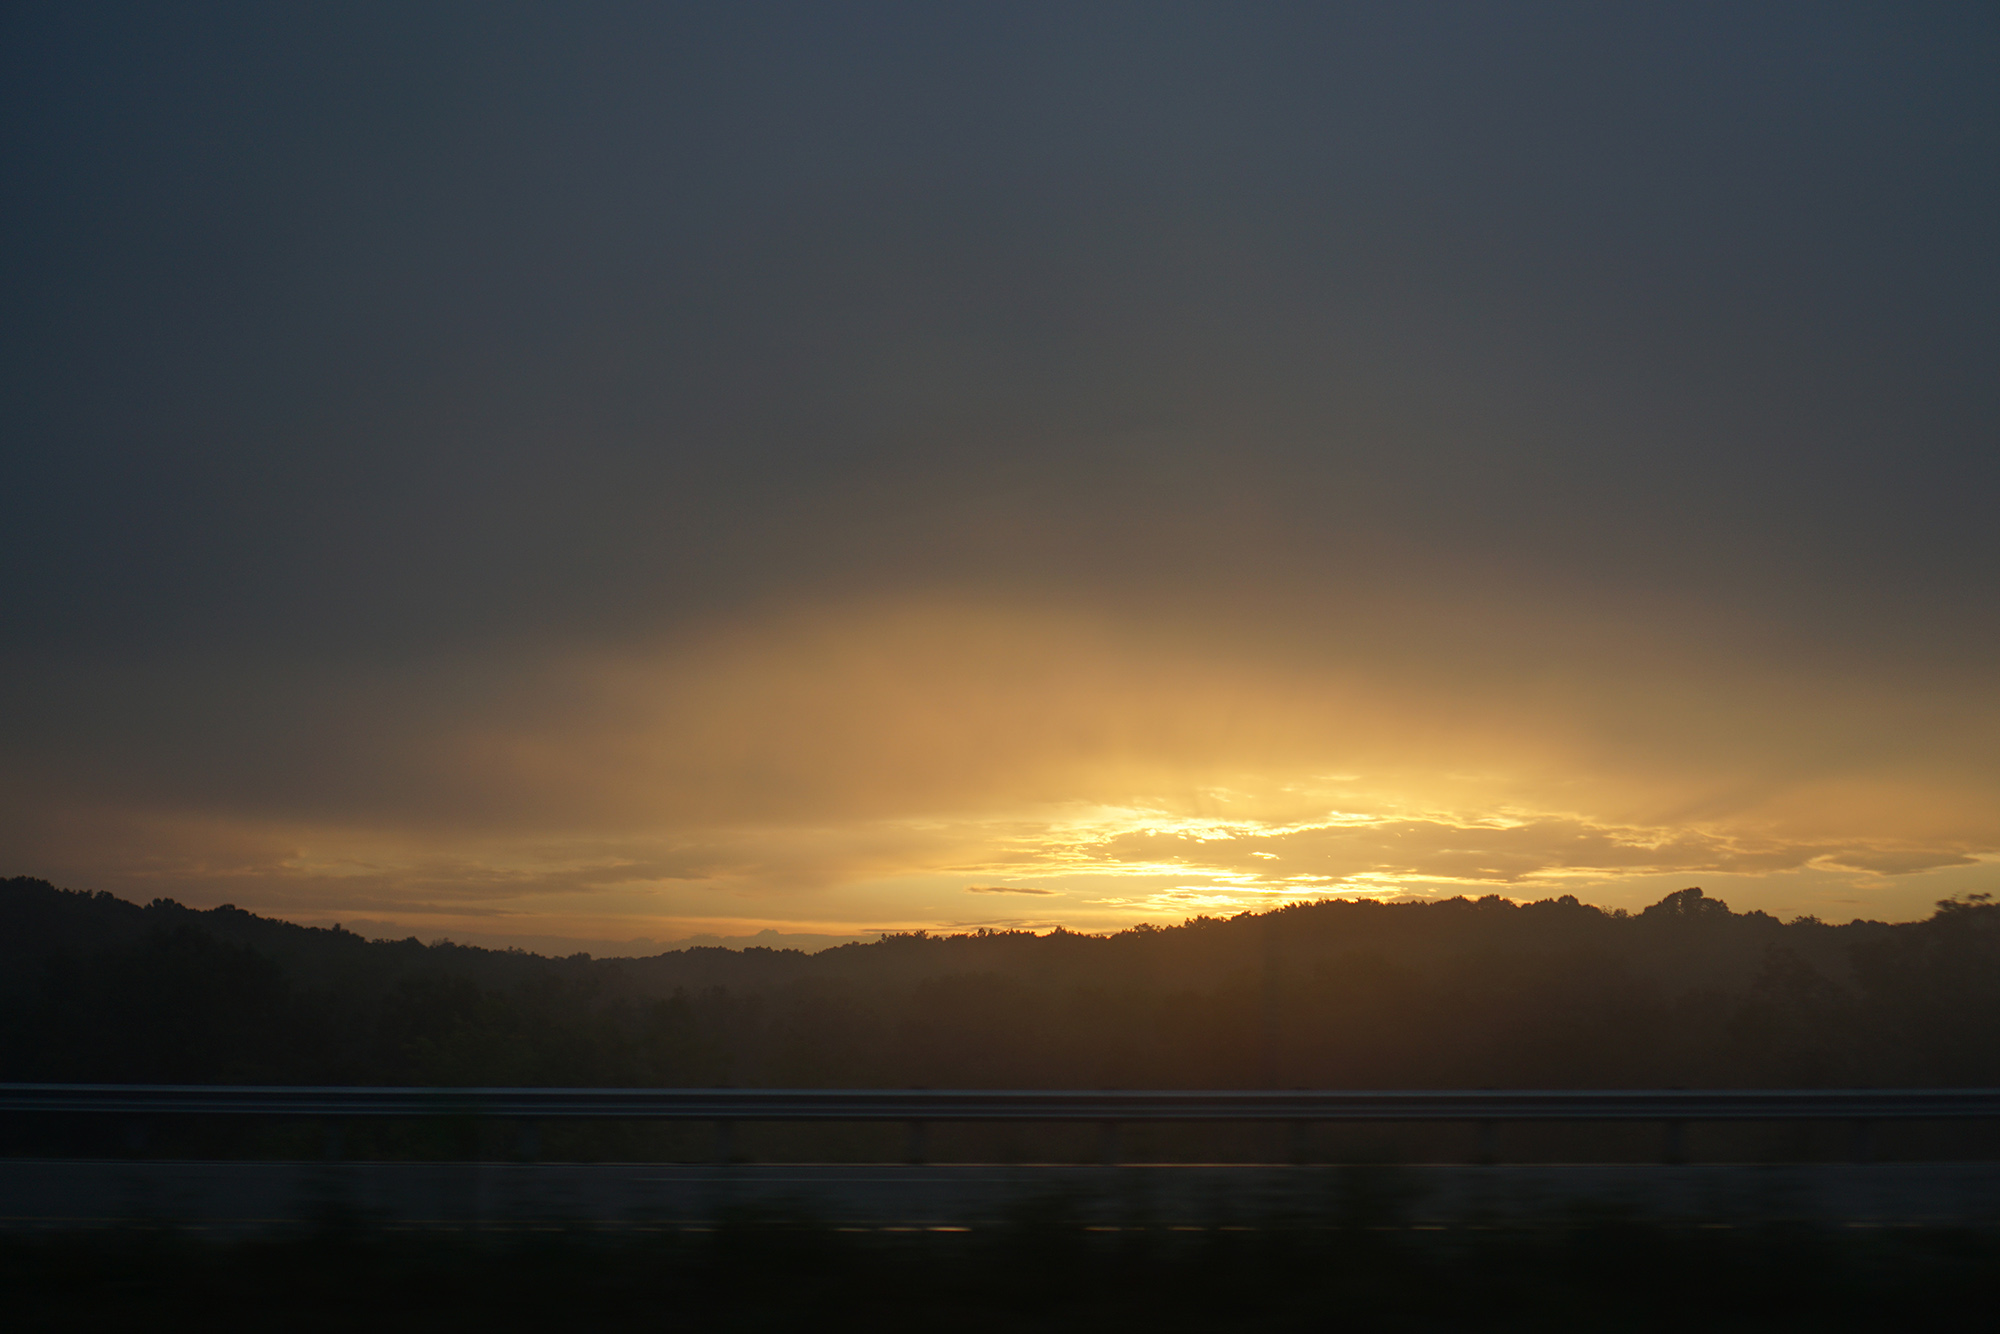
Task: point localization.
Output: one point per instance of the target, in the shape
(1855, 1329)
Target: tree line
(1467, 993)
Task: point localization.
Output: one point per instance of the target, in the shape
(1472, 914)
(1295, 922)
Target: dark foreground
(245, 1198)
(1034, 1274)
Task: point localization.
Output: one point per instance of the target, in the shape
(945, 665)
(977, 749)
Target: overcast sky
(609, 473)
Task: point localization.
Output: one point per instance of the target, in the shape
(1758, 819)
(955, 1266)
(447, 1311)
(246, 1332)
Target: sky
(595, 476)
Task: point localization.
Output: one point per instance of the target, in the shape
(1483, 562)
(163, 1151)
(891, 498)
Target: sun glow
(858, 771)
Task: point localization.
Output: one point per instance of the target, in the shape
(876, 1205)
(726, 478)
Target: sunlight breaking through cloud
(1248, 862)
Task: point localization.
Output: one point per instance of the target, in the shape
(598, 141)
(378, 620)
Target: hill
(1450, 993)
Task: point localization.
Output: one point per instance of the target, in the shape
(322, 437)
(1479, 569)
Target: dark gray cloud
(366, 366)
(359, 328)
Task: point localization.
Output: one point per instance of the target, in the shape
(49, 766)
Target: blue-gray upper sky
(412, 381)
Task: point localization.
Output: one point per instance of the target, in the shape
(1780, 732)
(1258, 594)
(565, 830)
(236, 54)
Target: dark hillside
(1469, 993)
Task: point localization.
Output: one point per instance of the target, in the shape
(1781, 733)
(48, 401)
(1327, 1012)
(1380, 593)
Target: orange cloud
(834, 768)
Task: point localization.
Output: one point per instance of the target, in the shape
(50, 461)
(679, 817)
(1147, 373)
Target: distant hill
(1458, 992)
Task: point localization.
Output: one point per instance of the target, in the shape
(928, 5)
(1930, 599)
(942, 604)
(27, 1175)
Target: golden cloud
(836, 766)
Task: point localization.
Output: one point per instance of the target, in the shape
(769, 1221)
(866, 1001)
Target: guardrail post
(1107, 1143)
(528, 1141)
(334, 1143)
(916, 1144)
(1861, 1141)
(1675, 1149)
(1301, 1143)
(725, 1141)
(1489, 1143)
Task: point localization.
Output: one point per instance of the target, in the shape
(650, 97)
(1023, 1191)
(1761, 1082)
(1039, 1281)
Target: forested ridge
(1450, 993)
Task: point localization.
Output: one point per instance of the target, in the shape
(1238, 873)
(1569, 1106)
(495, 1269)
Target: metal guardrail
(1005, 1105)
(1863, 1109)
